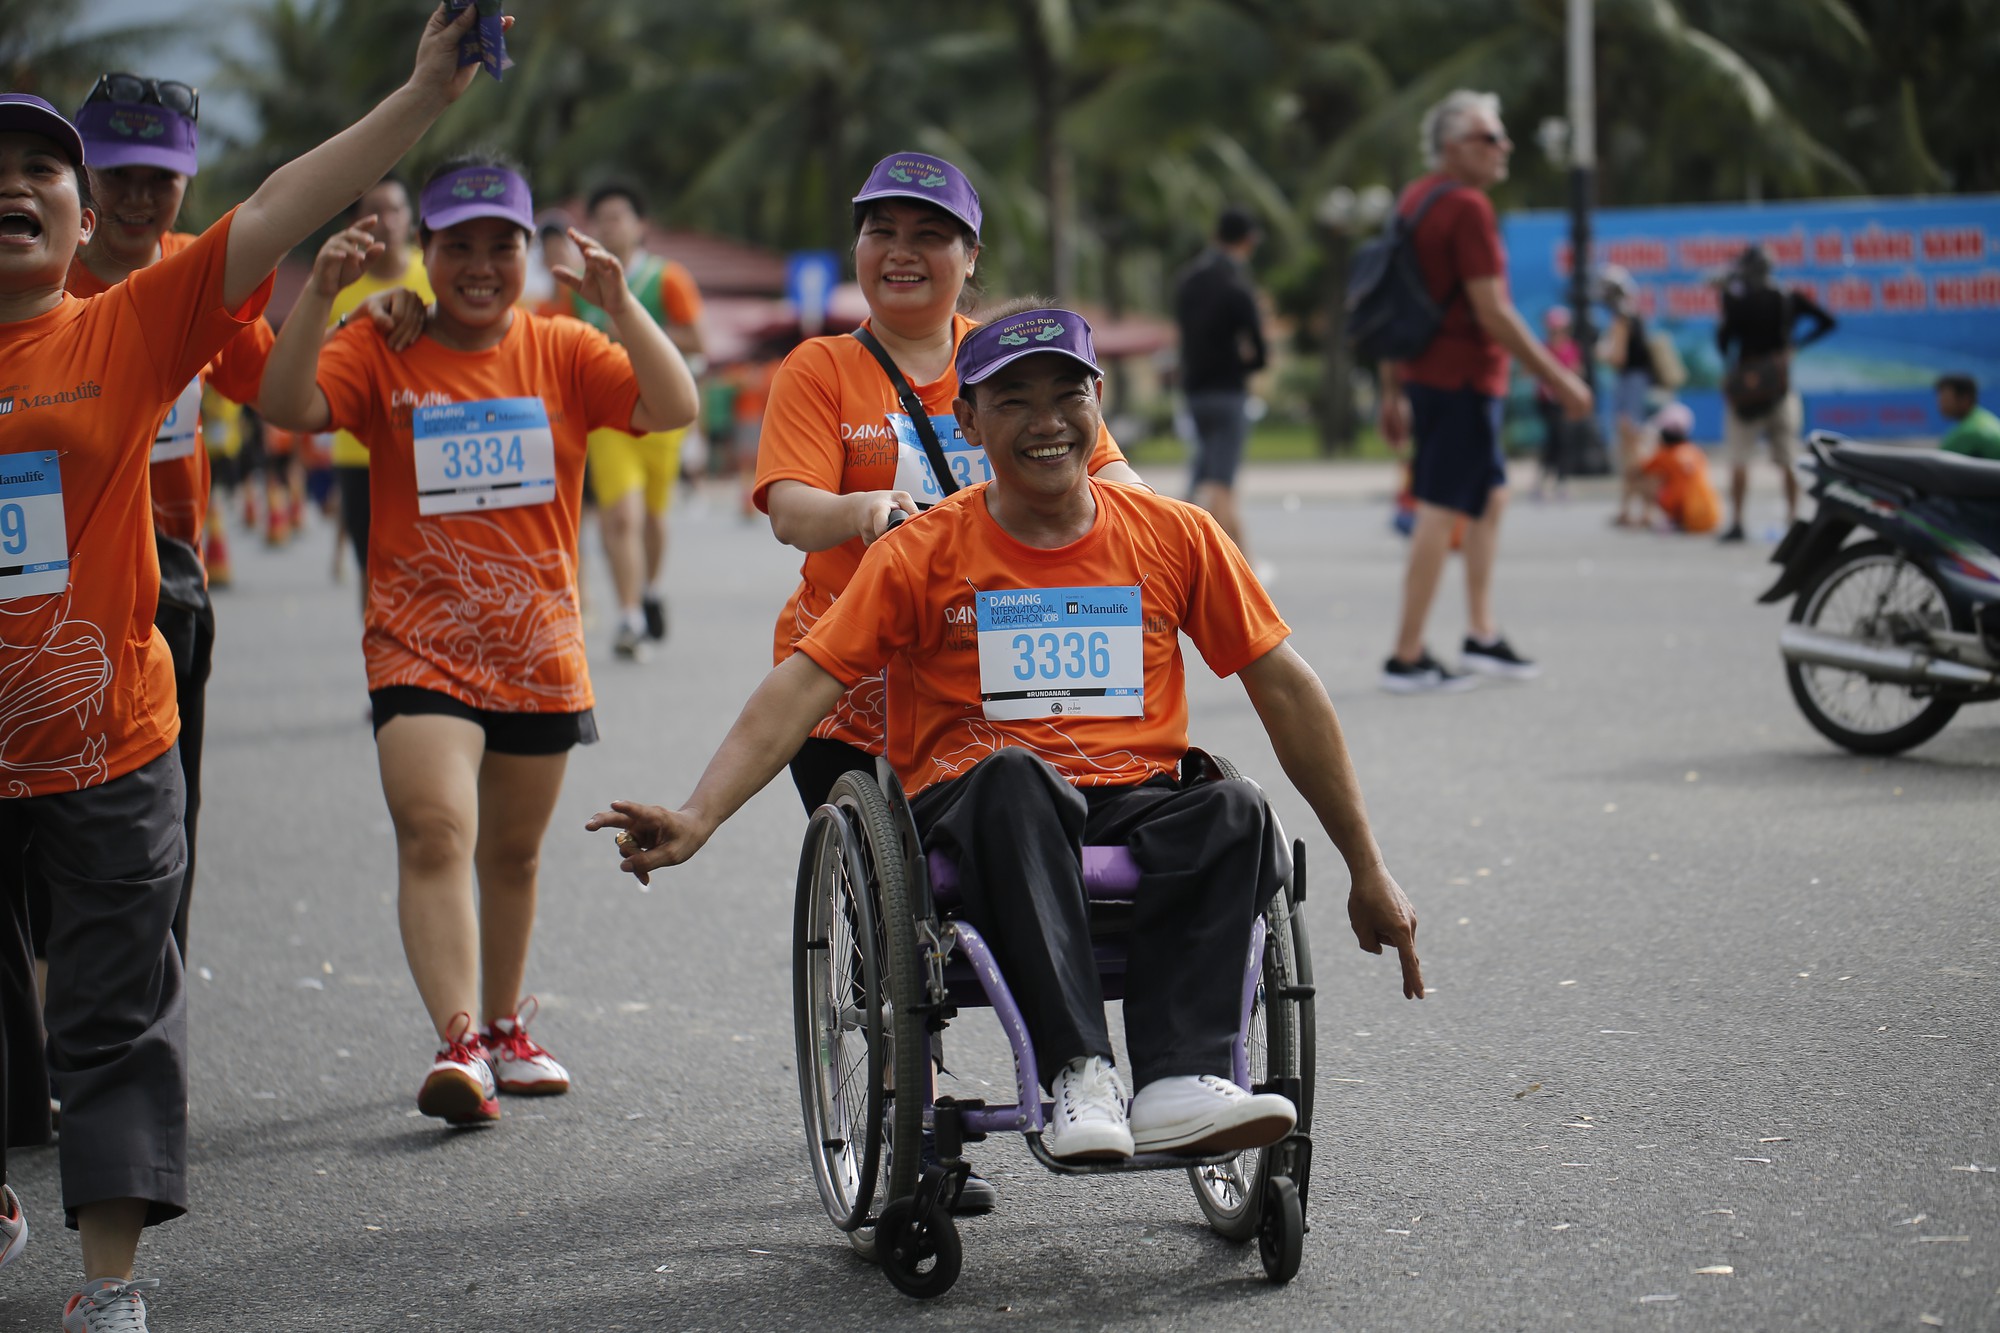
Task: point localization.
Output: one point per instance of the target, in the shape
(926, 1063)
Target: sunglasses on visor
(133, 88)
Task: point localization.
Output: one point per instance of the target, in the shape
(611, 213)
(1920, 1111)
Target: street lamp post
(1582, 146)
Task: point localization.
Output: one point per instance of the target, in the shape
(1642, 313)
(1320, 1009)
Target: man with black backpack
(1444, 346)
(1756, 338)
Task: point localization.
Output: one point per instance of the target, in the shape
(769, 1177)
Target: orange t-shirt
(1072, 653)
(833, 421)
(1686, 494)
(479, 601)
(86, 684)
(180, 471)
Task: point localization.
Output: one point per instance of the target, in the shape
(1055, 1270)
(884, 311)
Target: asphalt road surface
(1711, 1043)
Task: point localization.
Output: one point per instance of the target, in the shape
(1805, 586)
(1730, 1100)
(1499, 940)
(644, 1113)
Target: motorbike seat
(1930, 471)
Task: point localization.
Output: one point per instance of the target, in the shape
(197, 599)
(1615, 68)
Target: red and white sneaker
(520, 1066)
(459, 1089)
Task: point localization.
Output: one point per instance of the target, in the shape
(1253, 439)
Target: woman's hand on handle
(873, 510)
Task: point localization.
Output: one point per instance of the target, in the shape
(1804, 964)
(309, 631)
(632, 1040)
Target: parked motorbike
(1891, 635)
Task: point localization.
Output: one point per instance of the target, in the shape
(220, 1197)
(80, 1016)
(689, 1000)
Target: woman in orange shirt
(838, 449)
(91, 798)
(476, 438)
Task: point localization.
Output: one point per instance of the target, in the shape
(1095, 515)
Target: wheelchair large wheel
(879, 843)
(1231, 1194)
(837, 1020)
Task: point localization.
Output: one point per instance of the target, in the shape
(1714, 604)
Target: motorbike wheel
(1863, 592)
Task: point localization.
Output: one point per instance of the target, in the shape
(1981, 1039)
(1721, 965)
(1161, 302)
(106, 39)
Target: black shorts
(1458, 463)
(506, 733)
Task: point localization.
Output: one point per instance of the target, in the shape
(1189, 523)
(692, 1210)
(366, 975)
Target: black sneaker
(1497, 658)
(1426, 675)
(978, 1196)
(656, 618)
(1732, 533)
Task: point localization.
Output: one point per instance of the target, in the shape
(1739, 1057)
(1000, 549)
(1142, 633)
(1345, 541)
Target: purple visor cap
(477, 192)
(31, 115)
(930, 179)
(137, 134)
(990, 347)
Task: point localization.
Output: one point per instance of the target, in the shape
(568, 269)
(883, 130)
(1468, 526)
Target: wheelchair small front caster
(1281, 1233)
(922, 1258)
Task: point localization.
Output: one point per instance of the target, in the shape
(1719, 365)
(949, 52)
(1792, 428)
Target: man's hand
(651, 837)
(1381, 914)
(602, 282)
(399, 315)
(1573, 395)
(871, 512)
(340, 261)
(1394, 418)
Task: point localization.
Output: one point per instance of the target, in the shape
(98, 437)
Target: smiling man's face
(1038, 420)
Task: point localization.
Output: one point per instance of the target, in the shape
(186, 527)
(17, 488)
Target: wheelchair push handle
(897, 518)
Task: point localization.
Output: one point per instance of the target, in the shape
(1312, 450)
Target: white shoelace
(116, 1308)
(1097, 1088)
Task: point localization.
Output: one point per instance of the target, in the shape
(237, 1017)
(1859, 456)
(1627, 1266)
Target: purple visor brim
(25, 113)
(137, 134)
(477, 192)
(991, 347)
(931, 180)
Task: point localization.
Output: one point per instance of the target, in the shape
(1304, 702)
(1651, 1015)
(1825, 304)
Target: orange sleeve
(178, 301)
(801, 437)
(679, 297)
(238, 373)
(600, 375)
(1107, 450)
(870, 621)
(1230, 617)
(345, 377)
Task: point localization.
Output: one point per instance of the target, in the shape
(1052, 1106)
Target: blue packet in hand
(487, 46)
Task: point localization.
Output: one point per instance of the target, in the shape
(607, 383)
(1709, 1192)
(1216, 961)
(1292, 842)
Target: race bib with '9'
(1054, 652)
(34, 543)
(495, 454)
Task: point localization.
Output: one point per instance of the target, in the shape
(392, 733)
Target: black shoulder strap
(1414, 220)
(913, 405)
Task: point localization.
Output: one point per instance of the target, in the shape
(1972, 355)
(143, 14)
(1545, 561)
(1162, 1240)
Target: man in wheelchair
(1029, 629)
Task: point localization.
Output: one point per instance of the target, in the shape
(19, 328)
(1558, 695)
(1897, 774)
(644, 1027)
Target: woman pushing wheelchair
(1029, 632)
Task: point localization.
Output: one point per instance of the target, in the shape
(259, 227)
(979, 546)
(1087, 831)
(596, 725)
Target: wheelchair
(880, 967)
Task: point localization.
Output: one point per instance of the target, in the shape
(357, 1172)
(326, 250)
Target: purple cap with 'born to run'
(137, 134)
(477, 192)
(992, 346)
(29, 114)
(924, 177)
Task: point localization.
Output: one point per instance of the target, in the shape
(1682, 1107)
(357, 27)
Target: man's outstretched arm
(768, 732)
(1305, 733)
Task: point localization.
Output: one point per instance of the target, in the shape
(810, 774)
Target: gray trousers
(113, 859)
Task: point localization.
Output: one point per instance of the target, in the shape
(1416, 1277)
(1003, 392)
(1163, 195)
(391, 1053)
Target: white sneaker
(107, 1305)
(13, 1227)
(1088, 1119)
(1205, 1115)
(520, 1066)
(459, 1087)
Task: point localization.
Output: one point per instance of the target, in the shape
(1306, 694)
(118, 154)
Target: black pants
(819, 764)
(190, 636)
(353, 484)
(1210, 858)
(112, 858)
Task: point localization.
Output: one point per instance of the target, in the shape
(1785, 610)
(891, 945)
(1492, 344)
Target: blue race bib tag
(495, 454)
(966, 460)
(34, 543)
(1061, 652)
(179, 432)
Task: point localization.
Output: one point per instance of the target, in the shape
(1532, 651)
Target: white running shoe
(1087, 1121)
(521, 1067)
(1204, 1115)
(108, 1306)
(13, 1226)
(459, 1089)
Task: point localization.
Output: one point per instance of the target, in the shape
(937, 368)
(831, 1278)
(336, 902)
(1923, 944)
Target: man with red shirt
(1449, 397)
(1019, 744)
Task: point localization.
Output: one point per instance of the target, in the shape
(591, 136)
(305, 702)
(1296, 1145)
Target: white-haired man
(1448, 398)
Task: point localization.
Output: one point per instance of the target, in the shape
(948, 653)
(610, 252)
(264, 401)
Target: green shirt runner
(1977, 436)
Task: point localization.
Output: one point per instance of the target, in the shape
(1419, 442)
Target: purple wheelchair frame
(1109, 876)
